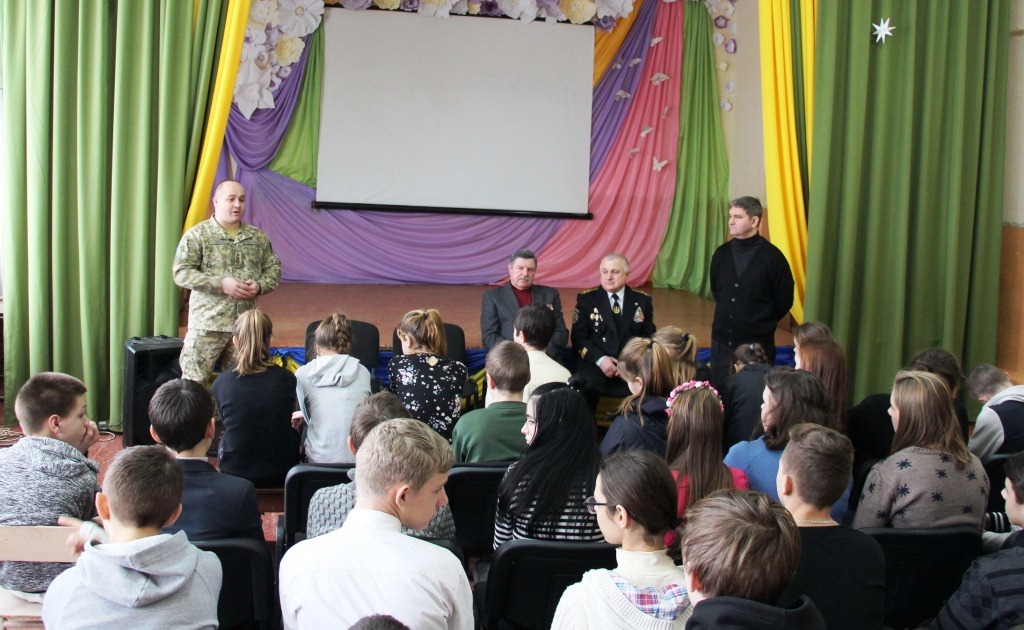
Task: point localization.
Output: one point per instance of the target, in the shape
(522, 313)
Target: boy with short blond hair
(47, 473)
(368, 566)
(142, 577)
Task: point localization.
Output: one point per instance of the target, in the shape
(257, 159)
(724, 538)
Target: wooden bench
(29, 544)
(270, 499)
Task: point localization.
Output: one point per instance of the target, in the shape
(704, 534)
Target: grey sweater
(43, 479)
(160, 581)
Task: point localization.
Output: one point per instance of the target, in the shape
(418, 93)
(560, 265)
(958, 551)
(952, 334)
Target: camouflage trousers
(204, 349)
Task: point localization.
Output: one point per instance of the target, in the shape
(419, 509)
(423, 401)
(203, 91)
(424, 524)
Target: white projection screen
(465, 114)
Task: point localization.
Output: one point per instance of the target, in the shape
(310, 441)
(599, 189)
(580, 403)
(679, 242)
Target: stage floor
(294, 305)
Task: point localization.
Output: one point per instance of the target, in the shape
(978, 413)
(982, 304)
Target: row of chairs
(366, 348)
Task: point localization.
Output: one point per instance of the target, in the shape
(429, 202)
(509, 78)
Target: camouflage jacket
(206, 254)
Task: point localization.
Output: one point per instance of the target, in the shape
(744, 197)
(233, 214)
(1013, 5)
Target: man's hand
(297, 420)
(92, 435)
(610, 366)
(239, 289)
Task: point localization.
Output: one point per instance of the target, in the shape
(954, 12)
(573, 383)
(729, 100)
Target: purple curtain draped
(383, 247)
(254, 142)
(608, 112)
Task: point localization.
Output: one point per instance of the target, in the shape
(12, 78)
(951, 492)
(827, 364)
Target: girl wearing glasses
(635, 503)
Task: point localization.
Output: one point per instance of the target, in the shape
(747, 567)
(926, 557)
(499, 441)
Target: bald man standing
(226, 264)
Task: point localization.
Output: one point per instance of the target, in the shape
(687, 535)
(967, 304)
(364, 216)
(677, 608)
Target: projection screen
(460, 114)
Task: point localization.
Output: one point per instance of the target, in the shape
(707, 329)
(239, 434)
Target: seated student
(825, 358)
(989, 596)
(328, 389)
(141, 578)
(1000, 426)
(742, 394)
(634, 501)
(682, 350)
(256, 399)
(734, 580)
(791, 397)
(427, 382)
(46, 473)
(842, 570)
(642, 421)
(214, 505)
(329, 507)
(368, 566)
(492, 434)
(931, 480)
(541, 496)
(694, 447)
(533, 328)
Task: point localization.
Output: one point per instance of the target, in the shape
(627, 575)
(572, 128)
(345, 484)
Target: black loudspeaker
(149, 362)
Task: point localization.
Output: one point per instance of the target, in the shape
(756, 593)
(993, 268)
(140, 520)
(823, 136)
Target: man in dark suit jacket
(606, 317)
(501, 304)
(214, 505)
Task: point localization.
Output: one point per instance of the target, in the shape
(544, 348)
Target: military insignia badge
(575, 315)
(638, 316)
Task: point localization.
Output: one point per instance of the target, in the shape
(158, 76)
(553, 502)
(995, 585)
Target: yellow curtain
(784, 179)
(220, 106)
(607, 43)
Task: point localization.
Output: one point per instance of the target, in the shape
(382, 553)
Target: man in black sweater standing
(753, 288)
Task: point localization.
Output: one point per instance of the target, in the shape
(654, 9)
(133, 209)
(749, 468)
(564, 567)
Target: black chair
(995, 469)
(300, 485)
(472, 496)
(527, 578)
(248, 595)
(923, 567)
(456, 338)
(365, 347)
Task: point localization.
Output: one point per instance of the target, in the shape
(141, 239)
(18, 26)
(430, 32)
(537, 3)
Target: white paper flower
(461, 7)
(288, 50)
(252, 90)
(551, 14)
(262, 13)
(525, 10)
(614, 8)
(253, 43)
(435, 8)
(300, 17)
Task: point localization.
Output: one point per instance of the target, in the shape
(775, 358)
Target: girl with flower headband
(742, 393)
(694, 450)
(682, 349)
(635, 503)
(641, 422)
(427, 382)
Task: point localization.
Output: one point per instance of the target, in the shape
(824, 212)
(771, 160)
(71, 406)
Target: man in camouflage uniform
(226, 264)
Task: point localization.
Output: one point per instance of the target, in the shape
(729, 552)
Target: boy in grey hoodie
(141, 578)
(47, 473)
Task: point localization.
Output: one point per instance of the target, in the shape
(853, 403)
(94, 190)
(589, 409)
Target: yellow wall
(1010, 355)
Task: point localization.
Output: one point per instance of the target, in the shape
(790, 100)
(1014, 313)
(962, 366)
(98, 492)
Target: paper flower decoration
(578, 11)
(272, 44)
(299, 17)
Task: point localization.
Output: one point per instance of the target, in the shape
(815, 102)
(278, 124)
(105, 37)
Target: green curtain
(104, 104)
(698, 220)
(907, 181)
(297, 156)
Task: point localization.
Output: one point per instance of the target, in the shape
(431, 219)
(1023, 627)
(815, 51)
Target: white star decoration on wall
(883, 30)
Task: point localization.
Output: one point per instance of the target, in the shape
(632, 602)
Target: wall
(1010, 355)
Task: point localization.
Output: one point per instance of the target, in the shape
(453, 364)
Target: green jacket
(206, 254)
